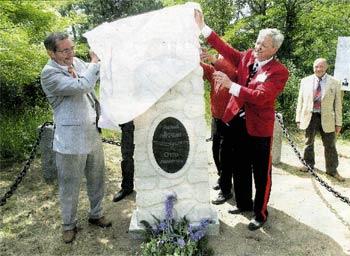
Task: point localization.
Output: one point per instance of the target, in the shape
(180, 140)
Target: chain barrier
(26, 167)
(117, 143)
(21, 175)
(309, 168)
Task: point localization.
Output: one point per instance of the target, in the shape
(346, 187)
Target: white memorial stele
(150, 73)
(342, 63)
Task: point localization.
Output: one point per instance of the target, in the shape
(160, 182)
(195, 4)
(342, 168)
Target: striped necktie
(71, 71)
(317, 96)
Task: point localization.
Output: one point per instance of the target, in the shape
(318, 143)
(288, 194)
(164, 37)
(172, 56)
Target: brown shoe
(69, 235)
(101, 222)
(337, 177)
(303, 169)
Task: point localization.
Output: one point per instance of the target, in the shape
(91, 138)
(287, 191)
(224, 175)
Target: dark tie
(317, 96)
(253, 69)
(71, 71)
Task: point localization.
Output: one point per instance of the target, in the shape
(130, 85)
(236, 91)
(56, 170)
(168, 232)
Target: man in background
(319, 109)
(127, 164)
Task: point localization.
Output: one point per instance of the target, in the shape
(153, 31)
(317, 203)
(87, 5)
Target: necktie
(253, 70)
(317, 96)
(71, 71)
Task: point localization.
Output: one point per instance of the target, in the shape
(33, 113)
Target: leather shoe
(101, 222)
(69, 235)
(255, 224)
(237, 210)
(222, 198)
(121, 194)
(303, 169)
(338, 177)
(216, 187)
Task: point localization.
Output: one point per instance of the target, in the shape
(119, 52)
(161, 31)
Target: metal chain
(117, 143)
(26, 167)
(309, 168)
(23, 173)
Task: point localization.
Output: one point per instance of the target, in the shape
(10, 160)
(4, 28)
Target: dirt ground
(304, 218)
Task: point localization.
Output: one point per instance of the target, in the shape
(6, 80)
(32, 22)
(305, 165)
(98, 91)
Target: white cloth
(142, 57)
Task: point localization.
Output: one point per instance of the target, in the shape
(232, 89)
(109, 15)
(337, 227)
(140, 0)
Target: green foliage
(23, 27)
(311, 29)
(218, 14)
(97, 12)
(287, 100)
(346, 116)
(19, 133)
(175, 2)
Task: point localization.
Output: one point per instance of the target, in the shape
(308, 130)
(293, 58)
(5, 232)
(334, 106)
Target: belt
(240, 115)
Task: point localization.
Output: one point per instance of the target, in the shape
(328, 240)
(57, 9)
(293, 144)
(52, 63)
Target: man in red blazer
(219, 97)
(250, 115)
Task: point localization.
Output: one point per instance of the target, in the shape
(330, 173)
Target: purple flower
(198, 234)
(181, 242)
(161, 227)
(169, 206)
(204, 223)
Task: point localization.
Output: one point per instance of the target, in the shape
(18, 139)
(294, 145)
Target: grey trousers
(70, 171)
(328, 140)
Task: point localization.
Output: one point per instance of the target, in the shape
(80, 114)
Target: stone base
(136, 230)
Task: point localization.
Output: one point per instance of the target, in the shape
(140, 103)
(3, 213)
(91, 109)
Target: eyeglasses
(67, 50)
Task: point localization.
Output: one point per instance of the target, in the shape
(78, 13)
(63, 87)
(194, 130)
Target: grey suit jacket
(331, 105)
(74, 103)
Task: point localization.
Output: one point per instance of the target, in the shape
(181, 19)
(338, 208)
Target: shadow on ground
(281, 235)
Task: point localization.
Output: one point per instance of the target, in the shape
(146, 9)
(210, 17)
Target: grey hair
(52, 38)
(276, 35)
(320, 60)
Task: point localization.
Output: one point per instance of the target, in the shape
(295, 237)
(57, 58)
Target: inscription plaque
(170, 145)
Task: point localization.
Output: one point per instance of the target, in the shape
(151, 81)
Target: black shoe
(222, 198)
(254, 224)
(121, 194)
(237, 210)
(216, 187)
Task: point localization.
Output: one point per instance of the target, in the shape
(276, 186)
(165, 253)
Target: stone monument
(48, 156)
(277, 141)
(342, 63)
(150, 74)
(171, 156)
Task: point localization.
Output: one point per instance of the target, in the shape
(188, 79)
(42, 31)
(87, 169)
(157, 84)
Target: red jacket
(219, 97)
(258, 97)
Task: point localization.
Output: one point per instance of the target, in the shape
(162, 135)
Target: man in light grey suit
(69, 83)
(319, 109)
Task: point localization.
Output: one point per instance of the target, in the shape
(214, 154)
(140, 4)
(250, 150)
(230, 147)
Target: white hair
(276, 35)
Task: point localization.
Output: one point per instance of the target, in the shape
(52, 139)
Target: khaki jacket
(331, 105)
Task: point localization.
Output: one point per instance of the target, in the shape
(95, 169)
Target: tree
(101, 11)
(23, 26)
(218, 14)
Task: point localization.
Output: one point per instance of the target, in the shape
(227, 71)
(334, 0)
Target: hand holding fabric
(207, 56)
(222, 79)
(94, 58)
(199, 19)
